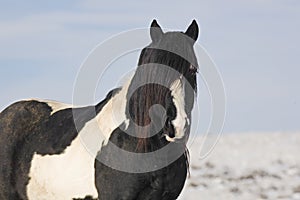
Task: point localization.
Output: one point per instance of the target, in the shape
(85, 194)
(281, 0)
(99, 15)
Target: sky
(254, 44)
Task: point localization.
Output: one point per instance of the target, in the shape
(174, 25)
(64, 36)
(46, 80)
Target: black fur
(85, 198)
(27, 127)
(165, 183)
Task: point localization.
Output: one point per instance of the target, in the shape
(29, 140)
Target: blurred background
(255, 45)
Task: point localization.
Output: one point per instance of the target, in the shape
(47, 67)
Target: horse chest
(63, 176)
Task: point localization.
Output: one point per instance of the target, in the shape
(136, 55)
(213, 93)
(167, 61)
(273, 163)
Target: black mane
(141, 156)
(160, 64)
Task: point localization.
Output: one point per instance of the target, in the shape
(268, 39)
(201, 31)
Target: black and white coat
(43, 156)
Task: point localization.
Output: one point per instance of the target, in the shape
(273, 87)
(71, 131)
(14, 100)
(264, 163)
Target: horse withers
(141, 155)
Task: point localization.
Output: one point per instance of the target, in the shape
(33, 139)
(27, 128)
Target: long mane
(157, 70)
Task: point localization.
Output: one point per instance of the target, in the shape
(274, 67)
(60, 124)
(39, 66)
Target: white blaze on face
(177, 92)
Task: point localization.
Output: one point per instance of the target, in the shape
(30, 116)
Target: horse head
(161, 93)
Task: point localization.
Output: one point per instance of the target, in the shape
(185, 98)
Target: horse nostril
(169, 129)
(171, 134)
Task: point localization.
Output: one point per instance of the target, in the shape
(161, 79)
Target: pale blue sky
(255, 45)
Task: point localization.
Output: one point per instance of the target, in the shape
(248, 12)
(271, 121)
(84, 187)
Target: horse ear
(155, 31)
(193, 30)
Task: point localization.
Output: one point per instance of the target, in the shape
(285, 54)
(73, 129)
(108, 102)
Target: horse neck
(147, 116)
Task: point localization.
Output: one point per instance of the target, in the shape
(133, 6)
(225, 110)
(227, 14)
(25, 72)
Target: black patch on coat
(27, 127)
(143, 93)
(162, 184)
(85, 198)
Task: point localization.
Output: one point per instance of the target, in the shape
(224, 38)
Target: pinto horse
(43, 157)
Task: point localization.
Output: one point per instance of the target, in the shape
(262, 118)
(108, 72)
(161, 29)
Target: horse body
(43, 144)
(41, 152)
(62, 176)
(71, 174)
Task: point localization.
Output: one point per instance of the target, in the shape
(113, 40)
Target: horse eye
(168, 123)
(193, 69)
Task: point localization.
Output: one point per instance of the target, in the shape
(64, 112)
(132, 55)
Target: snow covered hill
(246, 167)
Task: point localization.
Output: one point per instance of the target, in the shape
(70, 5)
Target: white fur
(177, 92)
(64, 176)
(57, 106)
(54, 105)
(113, 113)
(71, 174)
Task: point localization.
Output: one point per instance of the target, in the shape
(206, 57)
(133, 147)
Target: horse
(41, 150)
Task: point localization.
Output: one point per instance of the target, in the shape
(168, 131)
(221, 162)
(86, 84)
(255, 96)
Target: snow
(246, 166)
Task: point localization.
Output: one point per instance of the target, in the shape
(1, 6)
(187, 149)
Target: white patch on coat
(113, 113)
(65, 176)
(54, 105)
(177, 92)
(57, 106)
(71, 174)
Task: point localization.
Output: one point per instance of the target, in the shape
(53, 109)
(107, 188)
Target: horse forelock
(154, 83)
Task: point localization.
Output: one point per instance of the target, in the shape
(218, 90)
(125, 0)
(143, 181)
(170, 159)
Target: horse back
(17, 123)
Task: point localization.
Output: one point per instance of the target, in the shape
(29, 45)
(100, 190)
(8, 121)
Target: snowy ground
(246, 166)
